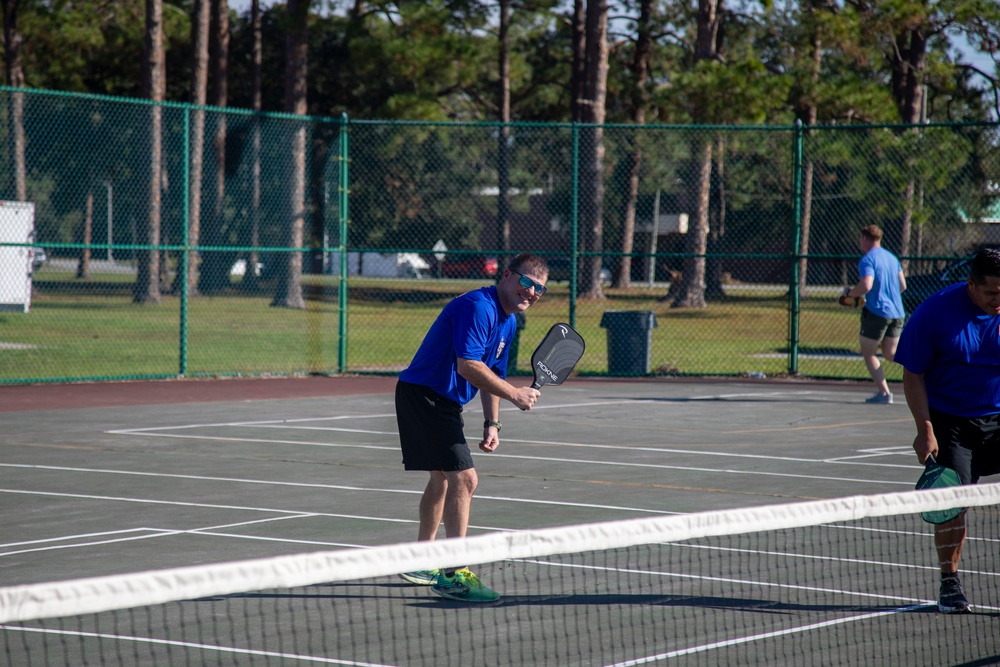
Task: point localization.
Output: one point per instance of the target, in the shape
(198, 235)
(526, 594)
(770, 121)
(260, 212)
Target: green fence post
(574, 224)
(794, 303)
(182, 267)
(342, 246)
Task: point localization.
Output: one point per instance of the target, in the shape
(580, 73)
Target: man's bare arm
(482, 378)
(925, 444)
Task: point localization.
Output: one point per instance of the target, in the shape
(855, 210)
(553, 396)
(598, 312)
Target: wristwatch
(492, 422)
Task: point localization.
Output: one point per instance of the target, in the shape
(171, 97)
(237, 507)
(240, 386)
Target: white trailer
(376, 264)
(17, 225)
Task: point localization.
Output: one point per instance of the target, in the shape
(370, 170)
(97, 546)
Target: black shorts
(968, 445)
(430, 430)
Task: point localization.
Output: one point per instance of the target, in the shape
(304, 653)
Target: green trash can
(630, 337)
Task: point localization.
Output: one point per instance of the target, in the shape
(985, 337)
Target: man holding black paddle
(464, 352)
(950, 352)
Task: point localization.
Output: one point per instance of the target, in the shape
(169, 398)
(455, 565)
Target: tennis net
(844, 581)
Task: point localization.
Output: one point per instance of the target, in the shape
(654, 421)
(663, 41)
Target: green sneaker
(422, 577)
(464, 586)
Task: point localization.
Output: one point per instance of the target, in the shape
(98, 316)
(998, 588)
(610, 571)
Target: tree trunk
(592, 148)
(811, 114)
(691, 291)
(579, 66)
(638, 67)
(716, 223)
(503, 138)
(147, 284)
(15, 79)
(200, 20)
(251, 280)
(807, 183)
(289, 291)
(214, 273)
(908, 61)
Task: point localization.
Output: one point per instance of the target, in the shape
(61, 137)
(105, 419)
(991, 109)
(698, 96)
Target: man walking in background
(881, 283)
(464, 352)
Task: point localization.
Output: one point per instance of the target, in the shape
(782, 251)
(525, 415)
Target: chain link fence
(172, 240)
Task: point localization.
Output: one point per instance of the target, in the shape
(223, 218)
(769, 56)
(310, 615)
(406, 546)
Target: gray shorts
(877, 328)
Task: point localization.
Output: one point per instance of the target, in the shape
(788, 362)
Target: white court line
(486, 497)
(895, 599)
(728, 471)
(559, 406)
(132, 431)
(150, 534)
(322, 428)
(840, 559)
(630, 448)
(314, 485)
(266, 441)
(260, 538)
(764, 635)
(79, 536)
(308, 443)
(298, 424)
(206, 647)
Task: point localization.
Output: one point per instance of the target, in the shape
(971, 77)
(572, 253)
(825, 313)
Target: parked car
(559, 270)
(467, 266)
(921, 286)
(38, 257)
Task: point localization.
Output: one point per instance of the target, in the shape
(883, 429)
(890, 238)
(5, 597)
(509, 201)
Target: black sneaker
(952, 598)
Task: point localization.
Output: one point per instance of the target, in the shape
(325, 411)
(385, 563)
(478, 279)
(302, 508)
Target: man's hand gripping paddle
(556, 355)
(936, 476)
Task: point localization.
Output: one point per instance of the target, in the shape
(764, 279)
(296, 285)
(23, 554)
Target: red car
(468, 266)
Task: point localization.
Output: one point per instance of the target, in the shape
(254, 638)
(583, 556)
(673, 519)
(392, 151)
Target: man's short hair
(873, 232)
(527, 262)
(985, 263)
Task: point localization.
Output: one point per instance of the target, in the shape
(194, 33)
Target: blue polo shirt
(471, 326)
(884, 298)
(957, 346)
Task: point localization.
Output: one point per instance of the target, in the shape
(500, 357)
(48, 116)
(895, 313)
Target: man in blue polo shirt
(950, 352)
(464, 352)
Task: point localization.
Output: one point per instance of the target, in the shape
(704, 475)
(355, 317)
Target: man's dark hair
(527, 262)
(985, 263)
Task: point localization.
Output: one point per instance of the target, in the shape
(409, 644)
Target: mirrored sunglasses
(528, 283)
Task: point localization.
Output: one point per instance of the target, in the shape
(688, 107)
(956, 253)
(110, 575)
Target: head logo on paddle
(936, 476)
(557, 354)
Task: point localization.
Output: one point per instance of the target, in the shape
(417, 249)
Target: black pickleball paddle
(557, 354)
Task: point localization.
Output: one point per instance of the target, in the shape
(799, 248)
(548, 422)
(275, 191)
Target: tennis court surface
(624, 522)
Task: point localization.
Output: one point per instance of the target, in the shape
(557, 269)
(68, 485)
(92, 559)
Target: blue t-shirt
(957, 346)
(471, 326)
(883, 299)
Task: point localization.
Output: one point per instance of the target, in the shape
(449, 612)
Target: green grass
(92, 330)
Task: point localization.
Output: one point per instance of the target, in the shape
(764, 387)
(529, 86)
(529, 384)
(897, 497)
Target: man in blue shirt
(464, 352)
(881, 282)
(950, 352)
